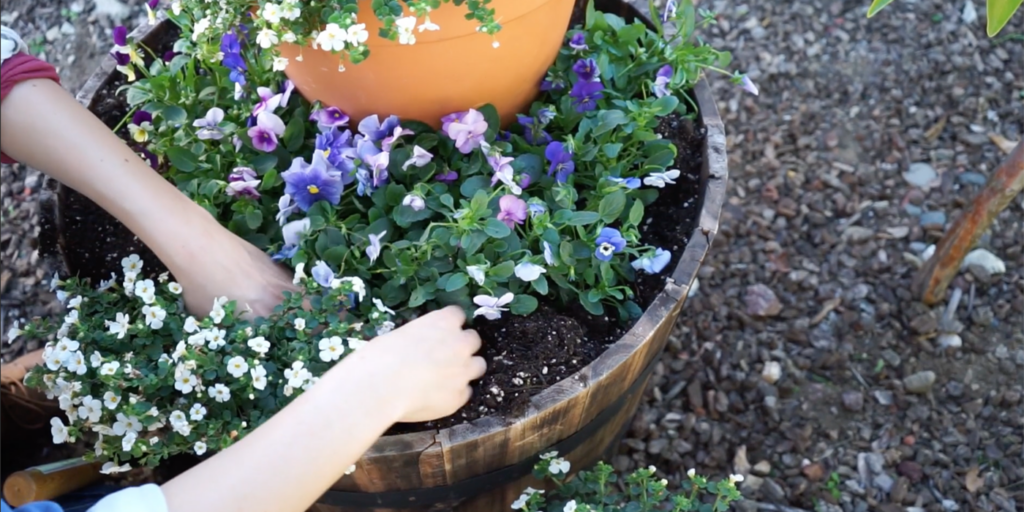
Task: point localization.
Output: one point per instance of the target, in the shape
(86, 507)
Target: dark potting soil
(525, 355)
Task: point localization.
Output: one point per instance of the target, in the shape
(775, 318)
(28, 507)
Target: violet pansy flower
(536, 207)
(292, 234)
(513, 210)
(661, 81)
(151, 11)
(309, 183)
(414, 201)
(609, 241)
(231, 47)
(329, 117)
(561, 161)
(552, 83)
(533, 130)
(395, 135)
(286, 94)
(341, 154)
(448, 176)
(243, 182)
(375, 130)
(141, 125)
(374, 169)
(420, 157)
(373, 251)
(268, 128)
(748, 85)
(150, 157)
(169, 55)
(586, 70)
(670, 11)
(654, 262)
(630, 183)
(578, 42)
(467, 129)
(585, 95)
(322, 274)
(209, 125)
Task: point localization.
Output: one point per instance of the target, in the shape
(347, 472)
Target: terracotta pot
(449, 70)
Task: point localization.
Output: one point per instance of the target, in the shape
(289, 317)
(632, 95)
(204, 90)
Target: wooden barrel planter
(484, 465)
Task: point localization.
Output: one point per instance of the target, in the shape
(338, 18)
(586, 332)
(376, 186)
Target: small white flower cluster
(169, 382)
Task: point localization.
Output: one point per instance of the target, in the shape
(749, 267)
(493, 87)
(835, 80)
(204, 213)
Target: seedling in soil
(832, 486)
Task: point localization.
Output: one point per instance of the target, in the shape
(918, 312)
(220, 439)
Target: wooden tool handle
(41, 483)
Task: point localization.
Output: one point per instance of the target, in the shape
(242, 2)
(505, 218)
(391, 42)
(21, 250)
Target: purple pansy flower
(151, 11)
(141, 125)
(375, 130)
(292, 234)
(585, 95)
(373, 172)
(322, 274)
(525, 180)
(662, 79)
(536, 207)
(373, 251)
(467, 129)
(120, 35)
(209, 125)
(653, 263)
(341, 154)
(395, 135)
(545, 116)
(748, 85)
(503, 172)
(561, 161)
(231, 47)
(609, 241)
(586, 70)
(268, 128)
(631, 183)
(309, 183)
(150, 157)
(286, 94)
(243, 182)
(578, 42)
(285, 207)
(552, 83)
(169, 55)
(513, 210)
(533, 130)
(330, 117)
(419, 158)
(448, 176)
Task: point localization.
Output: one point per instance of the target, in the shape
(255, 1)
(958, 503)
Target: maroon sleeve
(17, 69)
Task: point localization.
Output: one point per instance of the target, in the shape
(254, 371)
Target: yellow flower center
(313, 189)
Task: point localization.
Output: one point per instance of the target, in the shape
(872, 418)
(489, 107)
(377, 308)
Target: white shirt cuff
(147, 498)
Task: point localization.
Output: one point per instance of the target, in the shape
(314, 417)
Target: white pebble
(984, 259)
(772, 372)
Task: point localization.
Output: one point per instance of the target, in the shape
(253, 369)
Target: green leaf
(523, 305)
(419, 296)
(528, 163)
(471, 242)
(496, 228)
(612, 150)
(636, 213)
(270, 179)
(491, 116)
(664, 105)
(448, 201)
(456, 282)
(608, 120)
(565, 253)
(137, 95)
(295, 133)
(562, 216)
(264, 162)
(661, 159)
(592, 15)
(999, 13)
(470, 187)
(877, 5)
(503, 271)
(611, 206)
(583, 218)
(183, 159)
(254, 218)
(540, 285)
(405, 216)
(592, 306)
(174, 114)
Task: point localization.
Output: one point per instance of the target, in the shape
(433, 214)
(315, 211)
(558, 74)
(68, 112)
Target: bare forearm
(288, 462)
(50, 131)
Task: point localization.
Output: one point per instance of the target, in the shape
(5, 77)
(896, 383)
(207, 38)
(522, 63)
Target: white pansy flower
(527, 271)
(491, 307)
(174, 288)
(109, 368)
(332, 39)
(477, 273)
(237, 366)
(59, 431)
(154, 316)
(199, 447)
(145, 290)
(259, 377)
(331, 349)
(660, 179)
(219, 392)
(111, 400)
(119, 326)
(259, 345)
(197, 412)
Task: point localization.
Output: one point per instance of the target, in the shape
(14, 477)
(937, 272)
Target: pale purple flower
(243, 182)
(578, 42)
(561, 161)
(309, 183)
(209, 125)
(586, 70)
(420, 157)
(268, 128)
(748, 85)
(525, 180)
(491, 307)
(536, 207)
(293, 231)
(467, 129)
(414, 201)
(341, 154)
(237, 142)
(670, 11)
(477, 273)
(527, 271)
(269, 101)
(609, 241)
(322, 274)
(285, 207)
(395, 135)
(630, 183)
(373, 251)
(289, 86)
(662, 79)
(513, 210)
(330, 117)
(374, 169)
(549, 256)
(375, 130)
(653, 263)
(503, 171)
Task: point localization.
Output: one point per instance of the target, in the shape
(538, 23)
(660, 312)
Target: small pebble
(933, 220)
(920, 382)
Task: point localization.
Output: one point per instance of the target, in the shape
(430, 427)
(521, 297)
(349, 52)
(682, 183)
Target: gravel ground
(802, 362)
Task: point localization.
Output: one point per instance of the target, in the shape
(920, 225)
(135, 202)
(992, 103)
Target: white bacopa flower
(200, 27)
(491, 307)
(429, 25)
(55, 281)
(558, 465)
(300, 274)
(300, 324)
(385, 328)
(131, 264)
(570, 506)
(520, 502)
(219, 392)
(735, 479)
(297, 374)
(178, 419)
(405, 27)
(197, 412)
(145, 290)
(198, 339)
(111, 400)
(289, 37)
(179, 351)
(259, 377)
(126, 424)
(266, 38)
(71, 318)
(62, 296)
(76, 363)
(199, 447)
(59, 431)
(527, 271)
(14, 332)
(163, 277)
(110, 368)
(691, 473)
(128, 441)
(549, 455)
(119, 326)
(129, 283)
(75, 303)
(110, 468)
(331, 349)
(290, 10)
(174, 288)
(280, 63)
(91, 409)
(185, 382)
(660, 179)
(260, 345)
(332, 39)
(356, 34)
(217, 315)
(66, 346)
(216, 338)
(288, 390)
(271, 12)
(154, 316)
(237, 366)
(105, 284)
(477, 273)
(381, 307)
(190, 325)
(355, 343)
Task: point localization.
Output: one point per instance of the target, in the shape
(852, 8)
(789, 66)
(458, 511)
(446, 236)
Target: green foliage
(999, 12)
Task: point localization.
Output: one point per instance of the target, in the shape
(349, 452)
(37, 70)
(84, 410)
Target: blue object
(41, 506)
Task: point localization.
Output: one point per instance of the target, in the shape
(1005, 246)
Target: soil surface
(847, 105)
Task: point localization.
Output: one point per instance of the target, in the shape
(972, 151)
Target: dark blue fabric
(42, 506)
(78, 501)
